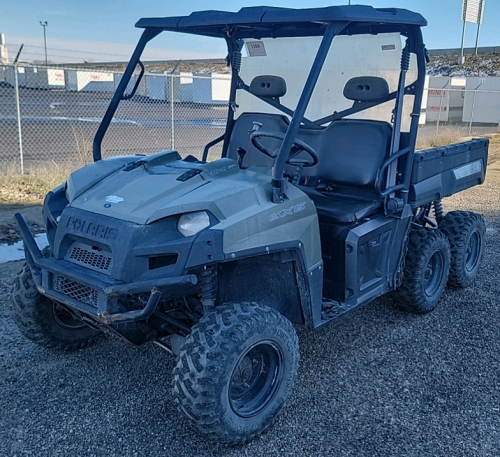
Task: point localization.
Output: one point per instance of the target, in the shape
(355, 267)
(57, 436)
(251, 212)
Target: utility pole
(44, 25)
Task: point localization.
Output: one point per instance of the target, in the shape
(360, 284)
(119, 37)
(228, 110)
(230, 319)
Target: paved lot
(58, 127)
(380, 383)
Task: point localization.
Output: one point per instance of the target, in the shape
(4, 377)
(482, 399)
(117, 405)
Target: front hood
(158, 186)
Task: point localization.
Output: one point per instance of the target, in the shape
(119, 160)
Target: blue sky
(103, 30)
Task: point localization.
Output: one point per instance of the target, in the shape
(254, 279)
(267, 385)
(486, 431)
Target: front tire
(466, 233)
(236, 370)
(426, 270)
(44, 321)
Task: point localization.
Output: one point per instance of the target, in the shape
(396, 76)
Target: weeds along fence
(49, 115)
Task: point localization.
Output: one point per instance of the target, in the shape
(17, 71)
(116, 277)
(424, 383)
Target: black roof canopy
(266, 21)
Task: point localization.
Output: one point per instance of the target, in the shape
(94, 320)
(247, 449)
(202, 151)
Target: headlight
(191, 223)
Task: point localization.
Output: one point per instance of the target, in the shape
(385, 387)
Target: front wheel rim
(255, 379)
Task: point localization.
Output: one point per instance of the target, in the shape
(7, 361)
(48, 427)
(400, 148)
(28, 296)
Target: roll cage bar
(262, 22)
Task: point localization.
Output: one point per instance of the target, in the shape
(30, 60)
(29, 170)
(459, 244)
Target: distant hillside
(193, 66)
(445, 65)
(208, 66)
(480, 65)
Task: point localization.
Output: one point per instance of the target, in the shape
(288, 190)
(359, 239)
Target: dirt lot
(8, 227)
(381, 383)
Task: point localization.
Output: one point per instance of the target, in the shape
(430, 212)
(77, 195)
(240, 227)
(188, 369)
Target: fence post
(18, 116)
(482, 80)
(441, 104)
(172, 121)
(439, 112)
(472, 112)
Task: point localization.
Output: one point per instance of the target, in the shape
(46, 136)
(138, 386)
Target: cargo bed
(443, 171)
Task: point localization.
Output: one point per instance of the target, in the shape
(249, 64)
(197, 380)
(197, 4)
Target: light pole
(44, 25)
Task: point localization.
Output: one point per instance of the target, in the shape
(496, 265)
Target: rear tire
(466, 233)
(235, 371)
(44, 321)
(426, 270)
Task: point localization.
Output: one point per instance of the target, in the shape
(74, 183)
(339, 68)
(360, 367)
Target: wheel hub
(255, 379)
(434, 273)
(243, 373)
(472, 251)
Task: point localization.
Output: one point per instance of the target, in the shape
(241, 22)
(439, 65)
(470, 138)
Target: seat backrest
(350, 151)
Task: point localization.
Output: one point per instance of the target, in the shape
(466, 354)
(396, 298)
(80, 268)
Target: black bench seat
(341, 208)
(350, 153)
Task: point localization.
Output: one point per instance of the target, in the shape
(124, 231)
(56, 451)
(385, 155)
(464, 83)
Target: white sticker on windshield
(256, 49)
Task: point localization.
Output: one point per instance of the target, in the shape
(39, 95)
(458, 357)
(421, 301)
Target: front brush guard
(43, 270)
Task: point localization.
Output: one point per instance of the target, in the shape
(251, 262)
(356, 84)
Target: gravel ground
(380, 383)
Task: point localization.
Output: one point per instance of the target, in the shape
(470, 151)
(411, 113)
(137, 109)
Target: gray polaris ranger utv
(318, 204)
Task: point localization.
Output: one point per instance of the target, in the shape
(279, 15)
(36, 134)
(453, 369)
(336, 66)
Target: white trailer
(160, 86)
(186, 87)
(438, 99)
(89, 81)
(482, 100)
(141, 90)
(45, 78)
(423, 107)
(211, 88)
(457, 98)
(21, 76)
(31, 77)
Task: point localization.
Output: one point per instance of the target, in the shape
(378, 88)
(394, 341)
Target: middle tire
(466, 234)
(236, 370)
(427, 265)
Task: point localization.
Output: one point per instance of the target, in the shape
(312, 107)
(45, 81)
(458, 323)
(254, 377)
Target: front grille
(90, 257)
(73, 289)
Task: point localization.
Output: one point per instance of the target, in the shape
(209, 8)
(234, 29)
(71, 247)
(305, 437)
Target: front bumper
(94, 293)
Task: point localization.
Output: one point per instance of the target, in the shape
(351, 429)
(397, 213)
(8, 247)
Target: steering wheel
(297, 148)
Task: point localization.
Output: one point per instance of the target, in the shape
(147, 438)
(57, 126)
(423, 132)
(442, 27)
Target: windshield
(349, 57)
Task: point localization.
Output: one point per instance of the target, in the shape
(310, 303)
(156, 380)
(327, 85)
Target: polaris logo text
(287, 212)
(91, 229)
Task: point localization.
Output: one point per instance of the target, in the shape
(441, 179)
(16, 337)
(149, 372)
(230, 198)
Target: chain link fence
(49, 116)
(466, 106)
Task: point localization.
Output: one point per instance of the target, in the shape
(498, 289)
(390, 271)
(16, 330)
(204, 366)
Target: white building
(4, 55)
